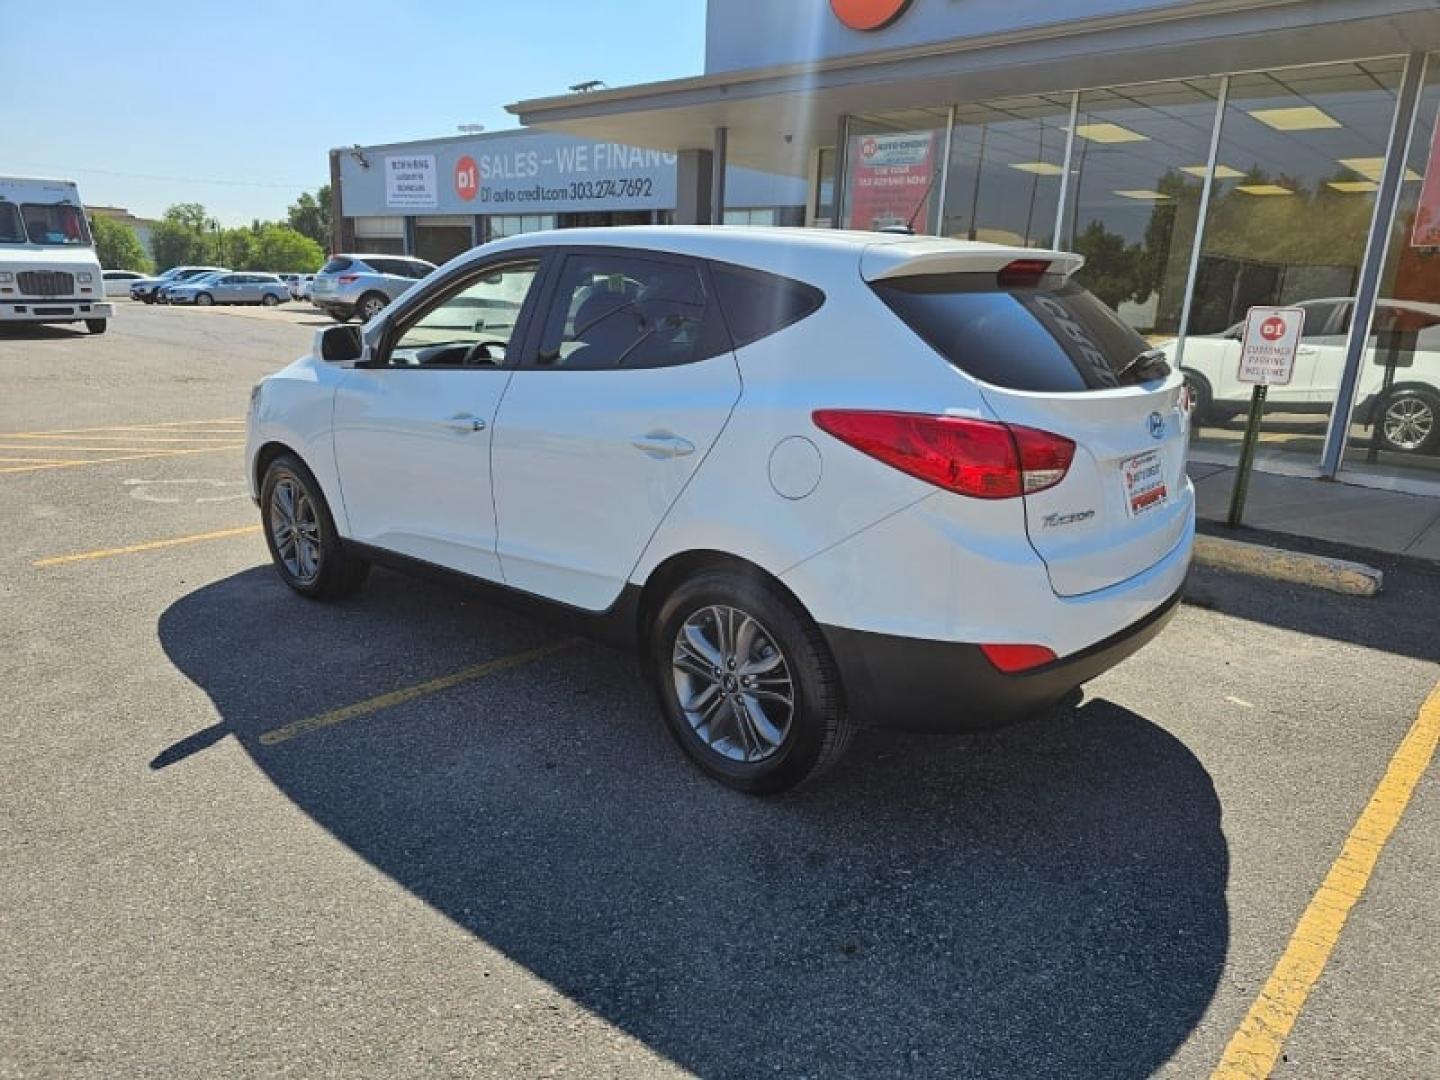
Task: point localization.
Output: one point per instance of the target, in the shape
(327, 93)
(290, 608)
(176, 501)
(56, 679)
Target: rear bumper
(50, 311)
(924, 685)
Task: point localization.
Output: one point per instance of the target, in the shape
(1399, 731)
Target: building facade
(1206, 156)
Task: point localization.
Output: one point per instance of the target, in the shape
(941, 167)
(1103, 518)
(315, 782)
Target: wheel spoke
(686, 659)
(704, 649)
(703, 700)
(761, 721)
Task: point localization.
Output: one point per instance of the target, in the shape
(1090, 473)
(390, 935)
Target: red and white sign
(1427, 214)
(892, 180)
(467, 178)
(868, 14)
(1267, 351)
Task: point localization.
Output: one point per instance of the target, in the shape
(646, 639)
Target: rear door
(1048, 355)
(602, 427)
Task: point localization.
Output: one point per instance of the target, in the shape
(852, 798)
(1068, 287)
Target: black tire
(97, 326)
(269, 300)
(1408, 422)
(370, 305)
(818, 728)
(1205, 410)
(203, 299)
(340, 316)
(338, 574)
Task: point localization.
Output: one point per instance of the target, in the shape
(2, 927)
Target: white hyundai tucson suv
(815, 478)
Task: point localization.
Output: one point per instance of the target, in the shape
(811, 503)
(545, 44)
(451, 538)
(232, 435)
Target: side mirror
(339, 344)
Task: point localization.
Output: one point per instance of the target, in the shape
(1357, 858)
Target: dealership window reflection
(1294, 189)
(1138, 171)
(1395, 426)
(1007, 159)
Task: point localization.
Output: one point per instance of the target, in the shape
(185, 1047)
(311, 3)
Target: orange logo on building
(868, 14)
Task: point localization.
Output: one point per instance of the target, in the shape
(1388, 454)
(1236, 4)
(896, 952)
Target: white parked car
(118, 282)
(1405, 338)
(301, 286)
(817, 478)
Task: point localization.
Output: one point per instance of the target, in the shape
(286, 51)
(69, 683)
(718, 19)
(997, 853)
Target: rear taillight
(979, 458)
(1012, 659)
(346, 279)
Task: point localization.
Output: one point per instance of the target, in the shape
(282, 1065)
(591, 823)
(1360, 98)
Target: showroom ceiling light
(1353, 187)
(1372, 167)
(1109, 133)
(1263, 189)
(1143, 195)
(1222, 172)
(1039, 168)
(1301, 118)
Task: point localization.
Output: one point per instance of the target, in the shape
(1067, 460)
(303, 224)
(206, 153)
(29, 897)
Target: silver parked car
(300, 287)
(363, 285)
(149, 289)
(237, 288)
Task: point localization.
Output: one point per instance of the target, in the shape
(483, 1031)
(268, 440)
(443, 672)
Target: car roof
(883, 254)
(362, 256)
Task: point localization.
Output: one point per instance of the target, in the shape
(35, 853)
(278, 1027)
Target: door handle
(464, 422)
(662, 444)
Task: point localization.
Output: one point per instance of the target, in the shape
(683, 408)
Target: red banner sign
(1427, 216)
(892, 180)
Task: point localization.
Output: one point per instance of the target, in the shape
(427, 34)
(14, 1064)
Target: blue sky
(142, 101)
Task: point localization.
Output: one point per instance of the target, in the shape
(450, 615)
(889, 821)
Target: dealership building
(1206, 156)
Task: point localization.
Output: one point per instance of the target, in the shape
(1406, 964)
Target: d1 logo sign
(467, 178)
(1273, 329)
(868, 14)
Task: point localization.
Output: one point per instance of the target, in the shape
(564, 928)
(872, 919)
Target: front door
(413, 430)
(603, 426)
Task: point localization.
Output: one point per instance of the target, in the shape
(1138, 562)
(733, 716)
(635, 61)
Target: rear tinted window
(338, 265)
(757, 304)
(1053, 338)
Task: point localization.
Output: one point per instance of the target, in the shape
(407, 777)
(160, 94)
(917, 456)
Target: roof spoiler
(880, 261)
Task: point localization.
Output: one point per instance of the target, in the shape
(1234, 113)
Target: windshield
(55, 224)
(11, 231)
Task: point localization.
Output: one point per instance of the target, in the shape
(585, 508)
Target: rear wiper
(1151, 360)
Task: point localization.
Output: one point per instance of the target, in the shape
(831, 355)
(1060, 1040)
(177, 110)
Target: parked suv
(815, 478)
(363, 285)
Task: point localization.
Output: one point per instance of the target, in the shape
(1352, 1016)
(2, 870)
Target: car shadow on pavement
(1048, 900)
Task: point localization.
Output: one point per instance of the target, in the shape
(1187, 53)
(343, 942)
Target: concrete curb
(1317, 571)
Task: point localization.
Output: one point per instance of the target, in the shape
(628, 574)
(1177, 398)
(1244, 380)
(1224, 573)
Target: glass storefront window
(760, 215)
(825, 188)
(892, 170)
(503, 225)
(1395, 428)
(1137, 175)
(1007, 160)
(1289, 216)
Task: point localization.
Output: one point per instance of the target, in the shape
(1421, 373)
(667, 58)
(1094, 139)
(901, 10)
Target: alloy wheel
(370, 308)
(1408, 423)
(295, 529)
(733, 684)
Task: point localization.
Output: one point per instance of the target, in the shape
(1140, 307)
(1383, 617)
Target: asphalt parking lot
(414, 834)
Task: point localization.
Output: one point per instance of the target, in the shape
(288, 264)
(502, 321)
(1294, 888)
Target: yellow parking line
(71, 448)
(39, 460)
(127, 427)
(127, 457)
(409, 693)
(1254, 1047)
(153, 545)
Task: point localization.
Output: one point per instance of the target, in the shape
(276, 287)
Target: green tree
(117, 246)
(1114, 271)
(281, 249)
(182, 237)
(309, 215)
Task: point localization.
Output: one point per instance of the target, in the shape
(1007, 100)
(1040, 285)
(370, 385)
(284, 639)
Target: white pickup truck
(49, 272)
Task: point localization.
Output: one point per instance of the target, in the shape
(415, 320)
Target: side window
(758, 304)
(614, 311)
(471, 326)
(1320, 321)
(417, 270)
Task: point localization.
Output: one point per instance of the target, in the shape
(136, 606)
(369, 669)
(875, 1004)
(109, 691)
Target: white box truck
(49, 272)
